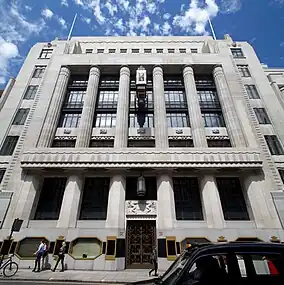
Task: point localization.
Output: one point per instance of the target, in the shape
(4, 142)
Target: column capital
(124, 70)
(188, 69)
(95, 70)
(157, 69)
(218, 70)
(65, 70)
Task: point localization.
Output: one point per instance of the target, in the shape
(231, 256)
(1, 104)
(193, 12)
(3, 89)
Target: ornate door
(140, 238)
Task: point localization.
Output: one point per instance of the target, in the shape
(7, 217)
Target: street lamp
(141, 186)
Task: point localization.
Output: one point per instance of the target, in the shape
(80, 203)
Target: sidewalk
(118, 277)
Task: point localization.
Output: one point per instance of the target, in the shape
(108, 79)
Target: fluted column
(121, 130)
(230, 114)
(50, 124)
(211, 202)
(196, 120)
(160, 117)
(279, 92)
(86, 122)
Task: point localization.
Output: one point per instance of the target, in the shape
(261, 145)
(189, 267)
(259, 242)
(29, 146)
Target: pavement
(84, 277)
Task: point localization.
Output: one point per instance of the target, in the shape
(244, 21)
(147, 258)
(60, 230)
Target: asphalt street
(14, 282)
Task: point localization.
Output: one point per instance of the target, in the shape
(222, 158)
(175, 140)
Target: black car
(234, 263)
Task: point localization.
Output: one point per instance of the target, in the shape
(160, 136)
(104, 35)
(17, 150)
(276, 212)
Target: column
(53, 113)
(278, 91)
(196, 120)
(230, 114)
(121, 130)
(116, 203)
(160, 117)
(166, 202)
(211, 202)
(70, 203)
(87, 118)
(6, 92)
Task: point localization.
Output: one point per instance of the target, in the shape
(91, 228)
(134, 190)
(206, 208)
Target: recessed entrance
(140, 239)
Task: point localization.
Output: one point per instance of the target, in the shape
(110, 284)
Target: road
(14, 282)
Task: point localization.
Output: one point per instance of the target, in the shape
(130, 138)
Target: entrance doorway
(140, 239)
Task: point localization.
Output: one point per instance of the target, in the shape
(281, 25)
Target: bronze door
(141, 238)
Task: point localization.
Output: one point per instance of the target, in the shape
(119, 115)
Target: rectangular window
(74, 99)
(31, 92)
(208, 99)
(147, 50)
(101, 143)
(244, 70)
(105, 120)
(213, 120)
(274, 145)
(9, 145)
(219, 143)
(100, 50)
(94, 203)
(182, 50)
(281, 173)
(39, 71)
(175, 99)
(252, 91)
(123, 50)
(46, 53)
(89, 50)
(69, 120)
(180, 143)
(50, 199)
(21, 116)
(111, 50)
(135, 50)
(133, 120)
(237, 53)
(171, 50)
(187, 199)
(232, 198)
(178, 120)
(2, 172)
(159, 50)
(141, 143)
(107, 99)
(261, 115)
(63, 143)
(194, 50)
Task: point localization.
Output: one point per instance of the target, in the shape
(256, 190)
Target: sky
(26, 22)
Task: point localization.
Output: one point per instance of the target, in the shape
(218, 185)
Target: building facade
(120, 144)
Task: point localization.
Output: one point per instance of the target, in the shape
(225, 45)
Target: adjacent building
(120, 144)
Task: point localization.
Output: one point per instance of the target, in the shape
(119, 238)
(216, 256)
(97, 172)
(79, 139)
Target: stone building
(120, 144)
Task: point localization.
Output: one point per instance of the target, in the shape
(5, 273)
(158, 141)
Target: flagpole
(212, 29)
(72, 27)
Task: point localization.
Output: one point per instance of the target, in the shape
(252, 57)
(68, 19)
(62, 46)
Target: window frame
(46, 53)
(89, 50)
(21, 116)
(9, 145)
(244, 70)
(213, 119)
(104, 117)
(262, 116)
(274, 145)
(30, 92)
(252, 91)
(237, 53)
(39, 71)
(69, 120)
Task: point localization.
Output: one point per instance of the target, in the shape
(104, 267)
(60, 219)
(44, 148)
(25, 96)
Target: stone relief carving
(135, 207)
(67, 131)
(179, 131)
(216, 131)
(141, 131)
(103, 131)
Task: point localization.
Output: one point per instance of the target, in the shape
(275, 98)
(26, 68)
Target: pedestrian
(61, 255)
(38, 254)
(154, 261)
(44, 255)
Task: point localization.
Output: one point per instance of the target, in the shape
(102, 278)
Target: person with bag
(38, 254)
(154, 261)
(61, 256)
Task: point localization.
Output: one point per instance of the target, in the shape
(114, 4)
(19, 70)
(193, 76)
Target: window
(182, 50)
(123, 50)
(252, 91)
(180, 143)
(105, 120)
(94, 203)
(160, 50)
(46, 53)
(274, 145)
(107, 99)
(232, 198)
(261, 115)
(141, 143)
(111, 50)
(281, 173)
(147, 50)
(39, 71)
(21, 116)
(63, 143)
(69, 120)
(9, 145)
(101, 143)
(187, 199)
(100, 50)
(171, 50)
(2, 172)
(244, 71)
(175, 99)
(208, 99)
(237, 52)
(219, 143)
(149, 121)
(89, 50)
(135, 50)
(178, 120)
(50, 199)
(75, 99)
(194, 50)
(31, 92)
(213, 120)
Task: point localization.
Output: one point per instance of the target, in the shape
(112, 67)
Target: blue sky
(25, 22)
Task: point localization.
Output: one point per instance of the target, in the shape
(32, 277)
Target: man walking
(38, 254)
(61, 256)
(154, 261)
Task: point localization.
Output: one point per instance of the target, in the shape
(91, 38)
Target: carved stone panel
(140, 208)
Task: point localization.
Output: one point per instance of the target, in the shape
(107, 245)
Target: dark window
(69, 120)
(219, 143)
(39, 71)
(149, 121)
(194, 50)
(274, 145)
(50, 199)
(237, 53)
(182, 50)
(147, 50)
(160, 50)
(261, 115)
(281, 173)
(31, 92)
(105, 120)
(100, 50)
(101, 143)
(208, 99)
(2, 172)
(74, 99)
(95, 199)
(180, 143)
(171, 50)
(131, 189)
(107, 99)
(46, 53)
(89, 50)
(78, 83)
(123, 50)
(21, 116)
(178, 120)
(141, 143)
(63, 143)
(135, 50)
(232, 198)
(187, 199)
(175, 99)
(244, 71)
(252, 91)
(9, 145)
(212, 120)
(111, 50)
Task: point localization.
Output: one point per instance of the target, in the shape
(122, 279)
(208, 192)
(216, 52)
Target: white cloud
(94, 6)
(230, 6)
(64, 3)
(145, 23)
(123, 4)
(119, 25)
(166, 28)
(166, 16)
(47, 13)
(28, 8)
(151, 7)
(79, 2)
(86, 20)
(111, 8)
(62, 22)
(195, 19)
(156, 27)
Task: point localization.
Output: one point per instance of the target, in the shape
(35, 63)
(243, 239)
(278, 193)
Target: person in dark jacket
(38, 254)
(61, 256)
(154, 261)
